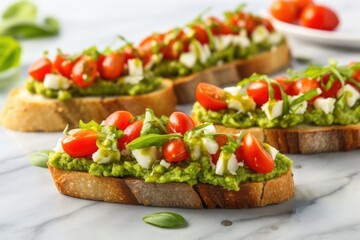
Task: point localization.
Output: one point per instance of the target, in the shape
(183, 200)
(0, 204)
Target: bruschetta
(214, 50)
(168, 162)
(312, 111)
(87, 86)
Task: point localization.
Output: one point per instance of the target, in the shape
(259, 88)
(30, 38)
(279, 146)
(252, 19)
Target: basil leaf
(10, 53)
(21, 9)
(152, 124)
(305, 97)
(40, 158)
(165, 220)
(20, 28)
(151, 140)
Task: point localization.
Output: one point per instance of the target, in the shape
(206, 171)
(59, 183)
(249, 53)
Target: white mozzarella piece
(273, 109)
(133, 79)
(202, 52)
(135, 67)
(299, 108)
(243, 104)
(145, 156)
(188, 59)
(210, 144)
(164, 163)
(234, 90)
(241, 40)
(58, 148)
(209, 129)
(226, 164)
(270, 149)
(326, 105)
(351, 95)
(223, 41)
(105, 156)
(56, 81)
(260, 34)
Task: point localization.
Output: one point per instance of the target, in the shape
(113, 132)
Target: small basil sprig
(19, 21)
(152, 124)
(151, 140)
(39, 158)
(10, 51)
(165, 220)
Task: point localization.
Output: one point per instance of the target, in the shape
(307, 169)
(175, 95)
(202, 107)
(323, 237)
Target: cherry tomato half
(84, 72)
(200, 34)
(356, 77)
(80, 142)
(286, 84)
(131, 132)
(178, 44)
(218, 27)
(175, 150)
(303, 85)
(64, 66)
(120, 119)
(179, 122)
(129, 52)
(319, 17)
(111, 66)
(40, 68)
(259, 92)
(332, 91)
(211, 97)
(286, 11)
(255, 156)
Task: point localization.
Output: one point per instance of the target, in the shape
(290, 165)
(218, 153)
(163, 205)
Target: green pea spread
(191, 172)
(100, 88)
(342, 115)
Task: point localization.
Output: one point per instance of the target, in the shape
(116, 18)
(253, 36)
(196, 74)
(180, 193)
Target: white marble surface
(326, 203)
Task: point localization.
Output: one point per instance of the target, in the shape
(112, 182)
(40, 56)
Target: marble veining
(326, 202)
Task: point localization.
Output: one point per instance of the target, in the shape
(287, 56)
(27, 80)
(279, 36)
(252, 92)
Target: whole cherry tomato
(319, 17)
(120, 119)
(174, 150)
(84, 72)
(211, 97)
(286, 11)
(179, 122)
(80, 142)
(111, 65)
(40, 68)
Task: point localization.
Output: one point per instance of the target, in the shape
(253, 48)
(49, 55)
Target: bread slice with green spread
(316, 110)
(167, 162)
(87, 86)
(214, 50)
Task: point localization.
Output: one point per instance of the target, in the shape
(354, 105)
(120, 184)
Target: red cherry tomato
(40, 68)
(211, 97)
(130, 133)
(179, 122)
(218, 27)
(84, 72)
(332, 91)
(259, 92)
(240, 20)
(178, 44)
(319, 17)
(129, 53)
(303, 85)
(64, 66)
(286, 84)
(286, 11)
(255, 156)
(175, 150)
(200, 34)
(268, 24)
(221, 140)
(120, 119)
(111, 66)
(356, 77)
(80, 142)
(302, 3)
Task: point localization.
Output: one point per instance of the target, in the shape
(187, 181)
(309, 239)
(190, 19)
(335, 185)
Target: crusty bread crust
(26, 112)
(180, 195)
(263, 63)
(303, 139)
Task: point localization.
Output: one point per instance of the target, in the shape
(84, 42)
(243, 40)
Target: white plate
(339, 38)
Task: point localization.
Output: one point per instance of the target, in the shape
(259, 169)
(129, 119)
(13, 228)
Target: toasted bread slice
(303, 139)
(263, 63)
(26, 112)
(180, 195)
